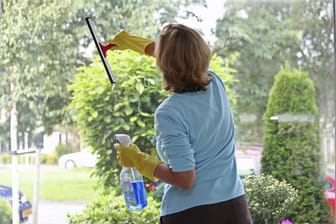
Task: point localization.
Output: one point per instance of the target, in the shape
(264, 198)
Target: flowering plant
(269, 199)
(151, 187)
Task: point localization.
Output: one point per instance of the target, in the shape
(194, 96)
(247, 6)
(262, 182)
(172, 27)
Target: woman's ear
(150, 49)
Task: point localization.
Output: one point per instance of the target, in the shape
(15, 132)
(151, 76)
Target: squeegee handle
(100, 51)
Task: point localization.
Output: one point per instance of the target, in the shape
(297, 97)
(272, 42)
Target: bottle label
(129, 195)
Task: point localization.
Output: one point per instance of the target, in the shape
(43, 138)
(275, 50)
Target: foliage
(127, 107)
(5, 212)
(35, 64)
(110, 208)
(222, 67)
(267, 33)
(44, 41)
(139, 17)
(44, 158)
(30, 159)
(315, 54)
(5, 158)
(269, 199)
(51, 159)
(264, 41)
(292, 145)
(62, 149)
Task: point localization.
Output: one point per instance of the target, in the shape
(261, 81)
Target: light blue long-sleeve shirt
(196, 130)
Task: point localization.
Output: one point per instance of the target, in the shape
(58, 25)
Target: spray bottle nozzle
(123, 139)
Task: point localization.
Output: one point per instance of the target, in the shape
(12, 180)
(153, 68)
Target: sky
(208, 15)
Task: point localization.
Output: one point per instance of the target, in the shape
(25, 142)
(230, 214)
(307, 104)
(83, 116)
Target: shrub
(5, 158)
(51, 159)
(269, 199)
(5, 212)
(292, 150)
(44, 158)
(62, 149)
(127, 107)
(110, 209)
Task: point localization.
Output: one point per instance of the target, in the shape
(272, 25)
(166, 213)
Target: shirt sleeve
(173, 143)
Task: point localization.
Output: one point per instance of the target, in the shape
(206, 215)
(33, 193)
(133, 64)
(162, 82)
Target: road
(55, 212)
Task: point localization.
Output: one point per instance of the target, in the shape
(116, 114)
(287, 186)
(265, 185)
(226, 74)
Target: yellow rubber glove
(123, 41)
(131, 156)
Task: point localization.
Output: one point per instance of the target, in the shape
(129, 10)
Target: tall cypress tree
(292, 144)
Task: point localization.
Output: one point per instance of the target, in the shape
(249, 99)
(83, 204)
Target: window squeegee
(100, 51)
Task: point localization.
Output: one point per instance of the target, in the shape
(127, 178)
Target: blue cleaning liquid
(135, 195)
(140, 193)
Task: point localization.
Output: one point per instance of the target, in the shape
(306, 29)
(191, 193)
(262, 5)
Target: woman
(195, 136)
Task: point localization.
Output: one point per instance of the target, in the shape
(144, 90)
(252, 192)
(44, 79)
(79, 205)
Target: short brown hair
(183, 56)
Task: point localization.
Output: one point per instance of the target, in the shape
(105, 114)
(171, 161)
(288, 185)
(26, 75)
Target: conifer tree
(292, 144)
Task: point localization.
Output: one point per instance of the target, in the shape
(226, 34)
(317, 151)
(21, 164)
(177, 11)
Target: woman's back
(195, 130)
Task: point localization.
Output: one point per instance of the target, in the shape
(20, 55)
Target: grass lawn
(55, 184)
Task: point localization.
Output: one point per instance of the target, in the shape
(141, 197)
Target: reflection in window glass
(278, 56)
(286, 92)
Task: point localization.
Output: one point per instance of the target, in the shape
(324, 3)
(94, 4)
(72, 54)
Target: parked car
(330, 188)
(247, 166)
(248, 160)
(25, 206)
(77, 159)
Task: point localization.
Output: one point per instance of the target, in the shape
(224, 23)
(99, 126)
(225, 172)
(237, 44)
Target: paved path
(55, 212)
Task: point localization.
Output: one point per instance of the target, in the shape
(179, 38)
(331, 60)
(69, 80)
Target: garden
(273, 56)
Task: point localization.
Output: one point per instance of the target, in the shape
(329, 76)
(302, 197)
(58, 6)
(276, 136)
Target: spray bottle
(132, 182)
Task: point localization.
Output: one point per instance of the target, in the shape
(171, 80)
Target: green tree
(267, 33)
(292, 144)
(127, 107)
(44, 41)
(263, 40)
(139, 17)
(34, 60)
(315, 55)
